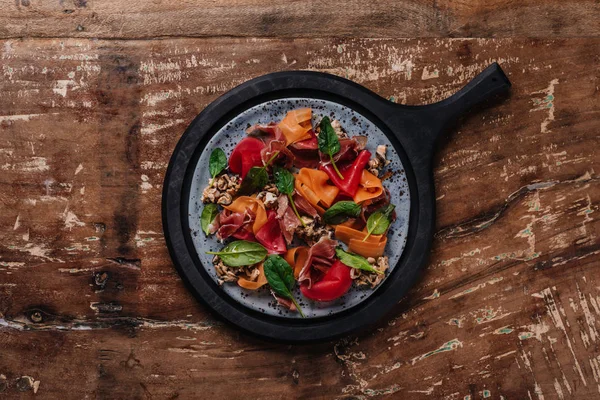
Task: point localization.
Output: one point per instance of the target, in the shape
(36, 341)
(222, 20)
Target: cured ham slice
(270, 235)
(319, 255)
(288, 221)
(233, 222)
(243, 203)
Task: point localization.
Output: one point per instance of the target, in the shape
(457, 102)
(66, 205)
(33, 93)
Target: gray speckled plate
(355, 124)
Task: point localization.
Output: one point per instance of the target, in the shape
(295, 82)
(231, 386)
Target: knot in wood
(36, 316)
(100, 279)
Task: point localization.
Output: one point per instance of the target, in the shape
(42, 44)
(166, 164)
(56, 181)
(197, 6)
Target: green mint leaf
(340, 212)
(209, 213)
(217, 162)
(355, 261)
(241, 253)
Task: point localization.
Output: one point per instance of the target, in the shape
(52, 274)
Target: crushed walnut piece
(364, 278)
(221, 190)
(271, 188)
(380, 161)
(269, 199)
(313, 231)
(230, 274)
(339, 131)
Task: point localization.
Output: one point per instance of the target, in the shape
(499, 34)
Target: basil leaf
(217, 162)
(379, 221)
(280, 276)
(284, 180)
(329, 143)
(340, 212)
(241, 253)
(355, 261)
(209, 213)
(256, 179)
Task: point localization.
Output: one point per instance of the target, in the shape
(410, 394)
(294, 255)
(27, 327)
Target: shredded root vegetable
(374, 246)
(367, 249)
(370, 187)
(295, 127)
(346, 233)
(297, 257)
(316, 181)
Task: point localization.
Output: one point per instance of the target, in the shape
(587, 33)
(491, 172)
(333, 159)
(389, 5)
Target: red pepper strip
(351, 173)
(245, 156)
(334, 284)
(270, 236)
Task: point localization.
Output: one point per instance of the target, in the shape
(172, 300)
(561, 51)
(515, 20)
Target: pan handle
(490, 82)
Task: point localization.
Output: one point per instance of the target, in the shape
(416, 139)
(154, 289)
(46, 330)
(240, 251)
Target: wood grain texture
(90, 304)
(114, 19)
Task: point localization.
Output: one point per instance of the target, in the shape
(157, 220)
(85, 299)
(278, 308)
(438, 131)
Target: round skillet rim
(414, 146)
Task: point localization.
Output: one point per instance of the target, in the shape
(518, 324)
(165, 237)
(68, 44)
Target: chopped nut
(376, 164)
(210, 194)
(373, 166)
(221, 190)
(225, 199)
(313, 231)
(269, 199)
(254, 274)
(380, 154)
(271, 188)
(339, 131)
(229, 274)
(222, 184)
(372, 279)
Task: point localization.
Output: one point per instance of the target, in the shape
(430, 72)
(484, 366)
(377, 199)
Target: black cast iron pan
(411, 131)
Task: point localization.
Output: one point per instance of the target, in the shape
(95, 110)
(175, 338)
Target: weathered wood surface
(90, 304)
(110, 19)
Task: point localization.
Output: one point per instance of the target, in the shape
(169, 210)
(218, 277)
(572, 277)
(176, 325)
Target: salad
(297, 204)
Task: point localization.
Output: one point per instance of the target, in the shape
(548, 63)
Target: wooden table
(94, 96)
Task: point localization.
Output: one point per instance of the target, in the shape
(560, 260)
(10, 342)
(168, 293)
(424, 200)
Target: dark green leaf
(256, 179)
(209, 213)
(284, 180)
(355, 261)
(280, 276)
(241, 253)
(328, 141)
(340, 212)
(379, 221)
(217, 162)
